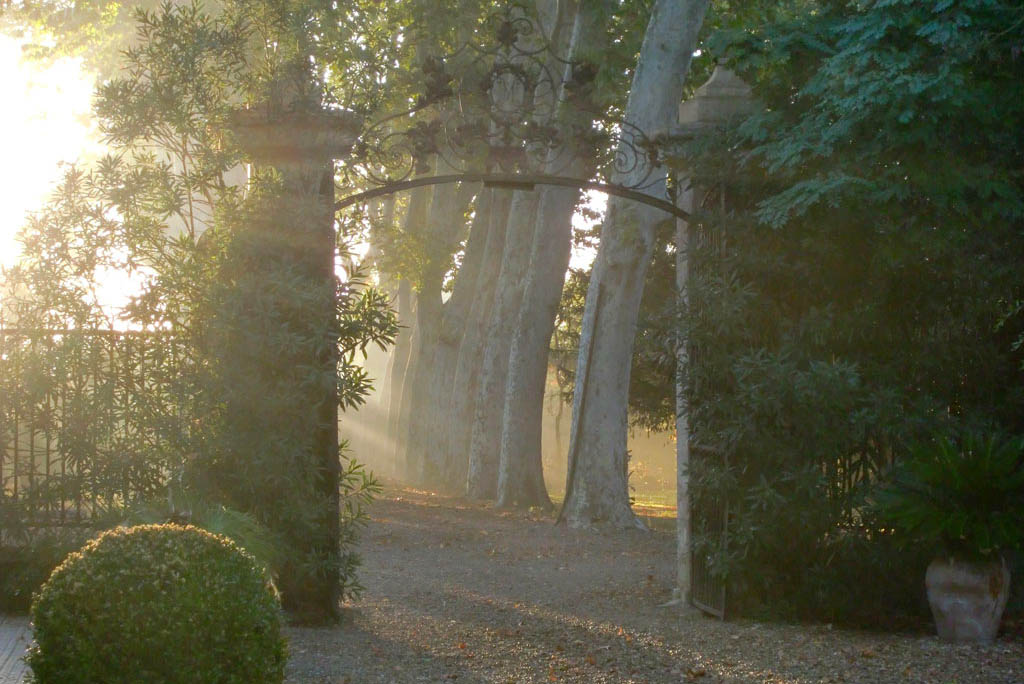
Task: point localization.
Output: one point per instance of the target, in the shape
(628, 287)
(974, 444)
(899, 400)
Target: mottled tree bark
(597, 490)
(470, 357)
(397, 367)
(520, 473)
(405, 347)
(484, 444)
(443, 227)
(427, 432)
(444, 472)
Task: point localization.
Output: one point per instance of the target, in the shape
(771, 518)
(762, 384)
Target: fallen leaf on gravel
(696, 672)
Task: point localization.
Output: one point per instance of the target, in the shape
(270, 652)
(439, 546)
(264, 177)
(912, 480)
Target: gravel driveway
(458, 592)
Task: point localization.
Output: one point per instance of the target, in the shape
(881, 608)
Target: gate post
(722, 99)
(302, 146)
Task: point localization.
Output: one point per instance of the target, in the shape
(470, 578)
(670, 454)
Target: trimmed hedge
(161, 604)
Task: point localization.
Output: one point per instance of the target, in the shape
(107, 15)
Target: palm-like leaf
(968, 497)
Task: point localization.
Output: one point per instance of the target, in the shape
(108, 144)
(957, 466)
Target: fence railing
(710, 519)
(89, 420)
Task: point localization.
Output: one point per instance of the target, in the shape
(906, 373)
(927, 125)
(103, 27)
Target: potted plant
(967, 500)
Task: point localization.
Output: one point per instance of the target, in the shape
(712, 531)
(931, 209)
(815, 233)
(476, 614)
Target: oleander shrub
(157, 603)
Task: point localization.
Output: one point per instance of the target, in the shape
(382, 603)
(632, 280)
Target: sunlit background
(45, 121)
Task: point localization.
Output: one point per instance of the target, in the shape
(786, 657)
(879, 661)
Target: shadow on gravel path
(456, 591)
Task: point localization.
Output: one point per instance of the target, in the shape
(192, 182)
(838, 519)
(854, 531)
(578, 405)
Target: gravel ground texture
(459, 592)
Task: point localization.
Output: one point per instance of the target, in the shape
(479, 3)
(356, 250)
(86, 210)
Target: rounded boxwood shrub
(157, 603)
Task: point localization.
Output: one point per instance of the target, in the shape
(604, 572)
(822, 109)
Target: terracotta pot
(967, 598)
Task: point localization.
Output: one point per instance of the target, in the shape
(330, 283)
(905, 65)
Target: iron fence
(89, 420)
(710, 520)
(709, 514)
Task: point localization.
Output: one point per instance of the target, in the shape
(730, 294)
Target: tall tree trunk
(471, 347)
(412, 370)
(485, 443)
(485, 440)
(405, 347)
(445, 224)
(370, 420)
(597, 488)
(380, 222)
(397, 367)
(520, 469)
(520, 473)
(448, 476)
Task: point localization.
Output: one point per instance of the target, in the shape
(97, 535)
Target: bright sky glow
(45, 120)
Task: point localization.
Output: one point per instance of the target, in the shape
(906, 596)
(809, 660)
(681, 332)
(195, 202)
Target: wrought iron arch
(513, 182)
(504, 109)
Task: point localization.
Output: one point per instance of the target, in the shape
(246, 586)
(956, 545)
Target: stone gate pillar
(722, 99)
(302, 147)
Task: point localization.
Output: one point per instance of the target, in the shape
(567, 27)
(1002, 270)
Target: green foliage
(853, 578)
(93, 30)
(966, 498)
(24, 567)
(358, 490)
(168, 108)
(855, 266)
(877, 97)
(161, 603)
(98, 419)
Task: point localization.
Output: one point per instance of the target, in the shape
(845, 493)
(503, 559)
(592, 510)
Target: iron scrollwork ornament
(505, 103)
